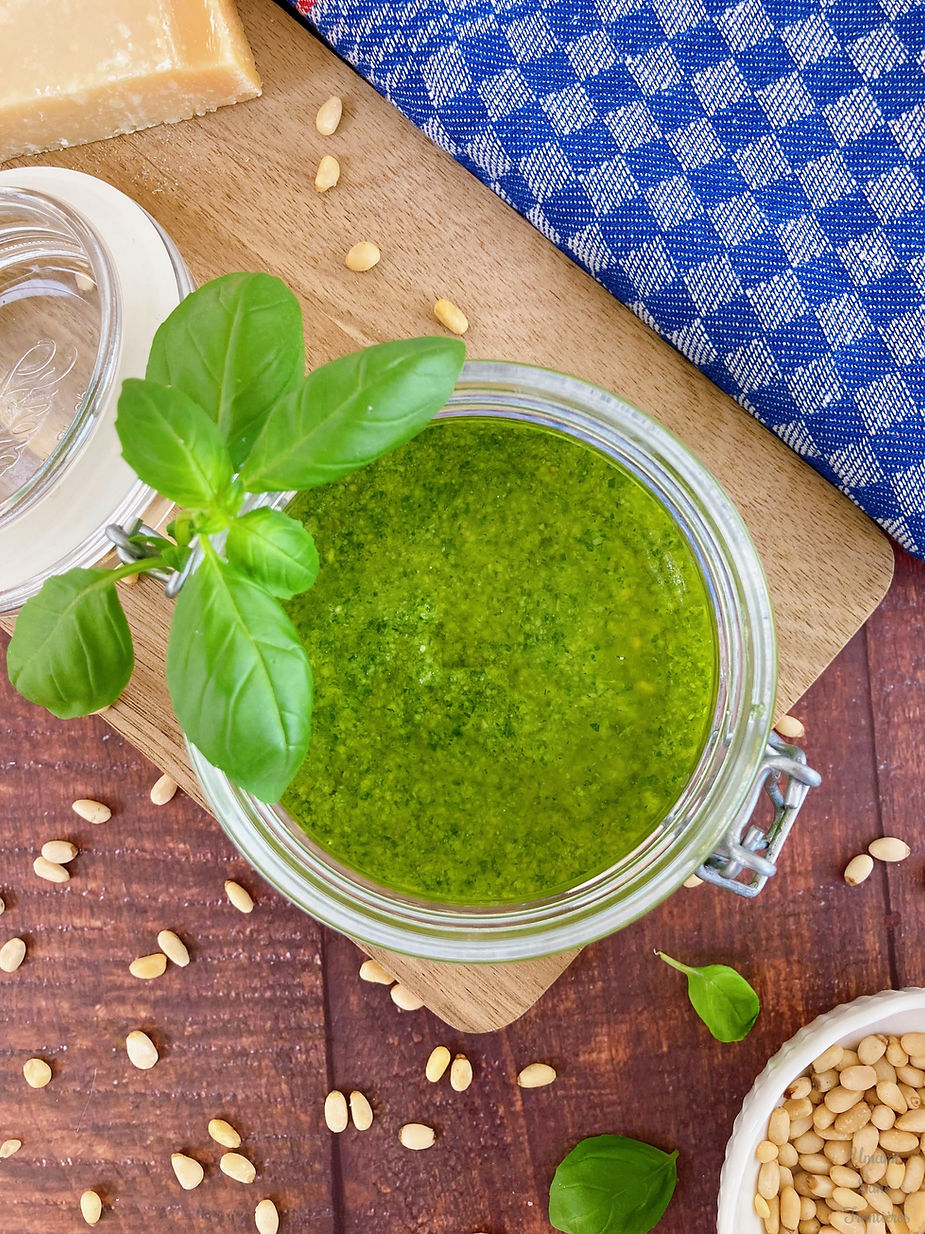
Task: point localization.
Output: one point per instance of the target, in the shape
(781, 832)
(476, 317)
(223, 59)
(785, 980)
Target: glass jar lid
(86, 276)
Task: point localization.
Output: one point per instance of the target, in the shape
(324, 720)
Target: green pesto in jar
(514, 662)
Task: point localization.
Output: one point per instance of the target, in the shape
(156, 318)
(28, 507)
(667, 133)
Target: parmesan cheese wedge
(73, 71)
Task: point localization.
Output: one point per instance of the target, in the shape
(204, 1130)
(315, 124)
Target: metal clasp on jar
(786, 779)
(131, 550)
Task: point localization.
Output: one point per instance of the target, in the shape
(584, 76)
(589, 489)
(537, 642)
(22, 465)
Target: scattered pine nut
(416, 1136)
(360, 1111)
(329, 116)
(141, 1050)
(92, 811)
(51, 871)
(451, 316)
(536, 1075)
(130, 580)
(858, 868)
(437, 1063)
(460, 1074)
(889, 848)
(9, 1147)
(237, 1166)
(335, 1111)
(223, 1133)
(693, 881)
(328, 174)
(371, 970)
(266, 1217)
(60, 852)
(173, 948)
(239, 897)
(12, 954)
(2, 905)
(91, 1207)
(362, 256)
(149, 966)
(406, 999)
(163, 790)
(188, 1170)
(790, 728)
(37, 1072)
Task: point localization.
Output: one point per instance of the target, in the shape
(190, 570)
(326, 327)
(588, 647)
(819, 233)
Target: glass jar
(708, 829)
(86, 277)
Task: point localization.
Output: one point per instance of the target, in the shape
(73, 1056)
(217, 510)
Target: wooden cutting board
(235, 190)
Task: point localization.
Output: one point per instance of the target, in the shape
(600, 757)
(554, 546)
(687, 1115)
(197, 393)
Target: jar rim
(719, 791)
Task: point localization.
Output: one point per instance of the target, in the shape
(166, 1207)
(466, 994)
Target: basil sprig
(610, 1184)
(722, 998)
(225, 409)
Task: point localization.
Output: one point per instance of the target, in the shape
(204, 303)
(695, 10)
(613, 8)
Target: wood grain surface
(270, 1013)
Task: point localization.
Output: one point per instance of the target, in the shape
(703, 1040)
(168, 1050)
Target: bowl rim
(794, 1056)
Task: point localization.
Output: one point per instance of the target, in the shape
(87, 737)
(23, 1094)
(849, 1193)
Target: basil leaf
(239, 679)
(71, 650)
(722, 998)
(235, 346)
(610, 1184)
(274, 550)
(171, 444)
(351, 411)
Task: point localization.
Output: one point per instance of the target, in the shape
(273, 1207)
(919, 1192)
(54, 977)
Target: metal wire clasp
(131, 550)
(785, 777)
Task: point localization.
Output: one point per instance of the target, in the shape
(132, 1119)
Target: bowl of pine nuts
(831, 1138)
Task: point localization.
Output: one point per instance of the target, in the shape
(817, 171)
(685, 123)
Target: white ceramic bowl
(893, 1011)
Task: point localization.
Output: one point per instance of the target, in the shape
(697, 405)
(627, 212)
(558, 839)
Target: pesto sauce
(514, 663)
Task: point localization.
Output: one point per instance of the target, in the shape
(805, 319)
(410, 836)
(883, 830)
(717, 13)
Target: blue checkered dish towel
(748, 178)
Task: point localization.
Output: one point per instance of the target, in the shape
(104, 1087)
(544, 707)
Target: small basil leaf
(274, 550)
(171, 444)
(71, 651)
(235, 346)
(176, 556)
(351, 411)
(610, 1184)
(722, 998)
(239, 679)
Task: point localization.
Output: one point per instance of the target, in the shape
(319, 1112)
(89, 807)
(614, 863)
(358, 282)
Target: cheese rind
(73, 71)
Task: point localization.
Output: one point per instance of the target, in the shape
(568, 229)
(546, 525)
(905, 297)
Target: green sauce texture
(514, 661)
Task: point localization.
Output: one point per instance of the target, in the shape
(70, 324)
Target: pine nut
(914, 1175)
(889, 848)
(787, 1156)
(790, 728)
(141, 1050)
(363, 256)
(149, 966)
(877, 1198)
(914, 1212)
(809, 1142)
(829, 1058)
(766, 1151)
(692, 881)
(173, 948)
(769, 1179)
(841, 1176)
(328, 174)
(406, 999)
(91, 1207)
(789, 1208)
(239, 897)
(460, 1074)
(889, 1094)
(163, 790)
(779, 1126)
(92, 811)
(914, 1076)
(416, 1136)
(223, 1133)
(872, 1048)
(852, 1120)
(885, 1070)
(838, 1151)
(9, 1147)
(825, 1081)
(237, 1166)
(913, 1043)
(840, 1099)
(360, 1111)
(858, 1079)
(437, 1063)
(329, 116)
(801, 1087)
(50, 870)
(883, 1117)
(2, 905)
(761, 1207)
(772, 1224)
(372, 971)
(12, 954)
(823, 1117)
(335, 1111)
(59, 852)
(850, 1201)
(901, 1142)
(451, 316)
(188, 1170)
(538, 1075)
(858, 869)
(37, 1072)
(895, 1054)
(266, 1217)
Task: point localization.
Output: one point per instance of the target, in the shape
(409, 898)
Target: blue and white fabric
(749, 178)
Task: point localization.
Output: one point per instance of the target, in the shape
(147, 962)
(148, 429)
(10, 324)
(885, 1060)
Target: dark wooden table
(271, 1014)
